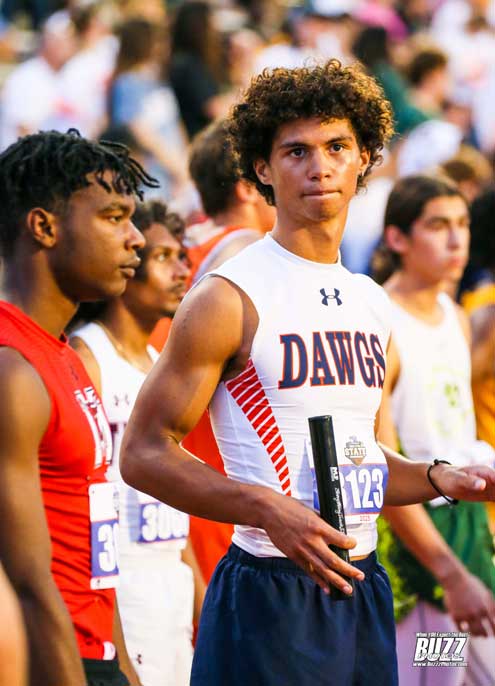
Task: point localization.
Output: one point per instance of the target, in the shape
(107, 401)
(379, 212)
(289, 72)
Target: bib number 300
(159, 522)
(104, 531)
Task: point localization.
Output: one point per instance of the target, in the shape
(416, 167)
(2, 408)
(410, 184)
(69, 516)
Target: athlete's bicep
(206, 333)
(24, 416)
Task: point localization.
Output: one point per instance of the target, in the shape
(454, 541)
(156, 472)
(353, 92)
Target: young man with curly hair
(277, 334)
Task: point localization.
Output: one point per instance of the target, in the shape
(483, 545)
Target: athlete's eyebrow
(444, 218)
(117, 205)
(302, 144)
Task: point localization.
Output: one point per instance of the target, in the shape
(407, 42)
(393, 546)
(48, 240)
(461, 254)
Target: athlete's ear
(263, 171)
(395, 239)
(364, 161)
(42, 225)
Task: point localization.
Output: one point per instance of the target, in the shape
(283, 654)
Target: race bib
(159, 522)
(363, 490)
(362, 484)
(103, 514)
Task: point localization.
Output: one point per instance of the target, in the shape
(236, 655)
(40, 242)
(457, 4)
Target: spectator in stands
(198, 72)
(372, 49)
(429, 77)
(140, 99)
(85, 77)
(30, 97)
(470, 170)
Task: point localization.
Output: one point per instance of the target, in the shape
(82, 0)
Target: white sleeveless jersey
(319, 350)
(145, 523)
(432, 404)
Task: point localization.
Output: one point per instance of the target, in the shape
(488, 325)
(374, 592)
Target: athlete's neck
(240, 215)
(131, 334)
(416, 295)
(319, 242)
(31, 288)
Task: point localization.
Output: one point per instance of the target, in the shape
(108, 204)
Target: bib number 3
(103, 514)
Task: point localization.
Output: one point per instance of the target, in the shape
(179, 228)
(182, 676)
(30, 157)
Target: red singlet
(73, 457)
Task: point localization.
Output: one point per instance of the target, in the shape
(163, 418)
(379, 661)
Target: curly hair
(330, 91)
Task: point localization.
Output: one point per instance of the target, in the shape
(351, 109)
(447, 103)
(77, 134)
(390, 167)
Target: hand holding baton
(328, 483)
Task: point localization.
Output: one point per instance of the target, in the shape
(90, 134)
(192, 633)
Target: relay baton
(328, 483)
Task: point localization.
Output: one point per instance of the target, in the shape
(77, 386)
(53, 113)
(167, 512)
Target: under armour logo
(335, 297)
(118, 399)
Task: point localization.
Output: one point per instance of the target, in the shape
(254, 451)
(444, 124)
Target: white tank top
(319, 349)
(145, 524)
(432, 405)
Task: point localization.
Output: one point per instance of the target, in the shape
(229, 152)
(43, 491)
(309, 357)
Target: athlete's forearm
(418, 533)
(172, 475)
(407, 481)
(53, 653)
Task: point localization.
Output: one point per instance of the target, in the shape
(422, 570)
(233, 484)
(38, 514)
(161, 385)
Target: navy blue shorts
(266, 623)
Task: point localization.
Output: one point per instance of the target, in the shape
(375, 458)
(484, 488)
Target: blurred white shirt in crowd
(84, 84)
(364, 225)
(29, 101)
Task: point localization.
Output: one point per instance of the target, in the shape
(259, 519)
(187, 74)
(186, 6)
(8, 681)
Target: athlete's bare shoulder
(17, 373)
(26, 407)
(216, 316)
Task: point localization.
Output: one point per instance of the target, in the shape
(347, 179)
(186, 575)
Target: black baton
(328, 483)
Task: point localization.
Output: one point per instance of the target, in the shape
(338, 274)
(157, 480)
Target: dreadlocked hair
(46, 168)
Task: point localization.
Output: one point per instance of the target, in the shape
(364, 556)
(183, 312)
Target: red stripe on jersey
(249, 387)
(247, 391)
(261, 418)
(253, 413)
(244, 380)
(253, 399)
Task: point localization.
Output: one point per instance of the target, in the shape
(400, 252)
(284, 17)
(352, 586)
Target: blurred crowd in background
(152, 74)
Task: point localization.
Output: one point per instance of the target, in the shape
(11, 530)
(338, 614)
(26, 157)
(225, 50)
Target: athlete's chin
(112, 288)
(325, 214)
(453, 273)
(324, 209)
(169, 310)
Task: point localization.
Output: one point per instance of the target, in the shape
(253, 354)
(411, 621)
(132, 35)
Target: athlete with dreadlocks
(66, 236)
